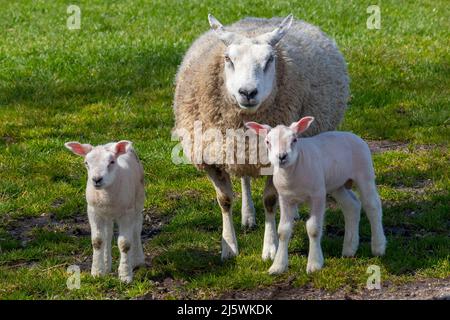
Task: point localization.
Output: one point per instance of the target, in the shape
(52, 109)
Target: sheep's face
(100, 161)
(249, 63)
(249, 73)
(281, 141)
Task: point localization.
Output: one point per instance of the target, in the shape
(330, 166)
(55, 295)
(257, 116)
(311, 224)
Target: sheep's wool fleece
(311, 80)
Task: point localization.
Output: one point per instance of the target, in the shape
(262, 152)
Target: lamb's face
(249, 73)
(100, 161)
(281, 144)
(101, 166)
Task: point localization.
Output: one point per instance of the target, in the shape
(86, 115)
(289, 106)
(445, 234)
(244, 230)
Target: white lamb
(306, 169)
(114, 192)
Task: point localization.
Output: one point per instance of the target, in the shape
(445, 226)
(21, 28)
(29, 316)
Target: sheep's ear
(302, 124)
(226, 36)
(121, 147)
(78, 148)
(276, 35)
(260, 129)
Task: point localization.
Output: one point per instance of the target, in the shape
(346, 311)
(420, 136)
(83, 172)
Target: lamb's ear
(302, 124)
(260, 129)
(121, 147)
(226, 36)
(78, 148)
(276, 35)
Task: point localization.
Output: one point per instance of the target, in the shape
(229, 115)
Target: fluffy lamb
(114, 193)
(268, 70)
(306, 169)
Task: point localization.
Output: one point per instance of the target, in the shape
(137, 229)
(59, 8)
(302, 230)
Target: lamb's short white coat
(306, 170)
(114, 193)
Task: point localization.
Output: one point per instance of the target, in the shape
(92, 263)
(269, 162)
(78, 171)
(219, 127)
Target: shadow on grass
(108, 74)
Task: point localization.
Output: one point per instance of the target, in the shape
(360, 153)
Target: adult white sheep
(306, 170)
(114, 192)
(255, 69)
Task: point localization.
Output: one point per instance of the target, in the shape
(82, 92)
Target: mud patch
(423, 289)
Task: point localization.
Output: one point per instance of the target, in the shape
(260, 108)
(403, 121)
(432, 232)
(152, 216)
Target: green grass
(113, 79)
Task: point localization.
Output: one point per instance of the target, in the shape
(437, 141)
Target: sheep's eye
(86, 164)
(112, 162)
(269, 61)
(228, 60)
(294, 141)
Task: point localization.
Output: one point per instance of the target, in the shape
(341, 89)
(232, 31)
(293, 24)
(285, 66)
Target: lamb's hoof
(277, 269)
(269, 252)
(248, 221)
(379, 248)
(126, 278)
(97, 273)
(349, 251)
(313, 267)
(229, 252)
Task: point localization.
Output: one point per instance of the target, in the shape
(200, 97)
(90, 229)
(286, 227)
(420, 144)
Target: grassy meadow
(114, 79)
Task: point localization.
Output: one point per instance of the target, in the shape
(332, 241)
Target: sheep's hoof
(277, 269)
(269, 252)
(313, 266)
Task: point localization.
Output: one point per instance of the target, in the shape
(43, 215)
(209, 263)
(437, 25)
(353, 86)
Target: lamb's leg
(314, 227)
(248, 209)
(139, 257)
(99, 244)
(222, 183)
(372, 206)
(280, 263)
(109, 230)
(270, 231)
(126, 244)
(351, 208)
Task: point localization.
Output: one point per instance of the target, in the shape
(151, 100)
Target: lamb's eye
(112, 162)
(86, 164)
(294, 141)
(269, 61)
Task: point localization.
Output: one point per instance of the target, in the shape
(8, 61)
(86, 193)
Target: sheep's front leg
(99, 243)
(222, 183)
(314, 227)
(126, 245)
(270, 231)
(248, 209)
(280, 263)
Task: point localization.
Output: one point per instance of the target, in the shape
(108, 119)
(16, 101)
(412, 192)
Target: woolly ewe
(306, 169)
(268, 70)
(114, 192)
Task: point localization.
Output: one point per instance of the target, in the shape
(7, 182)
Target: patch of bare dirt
(424, 289)
(22, 229)
(379, 146)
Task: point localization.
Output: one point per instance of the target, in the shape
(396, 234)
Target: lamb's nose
(249, 94)
(282, 157)
(97, 180)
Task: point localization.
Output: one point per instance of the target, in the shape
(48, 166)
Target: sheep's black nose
(282, 157)
(249, 94)
(97, 180)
